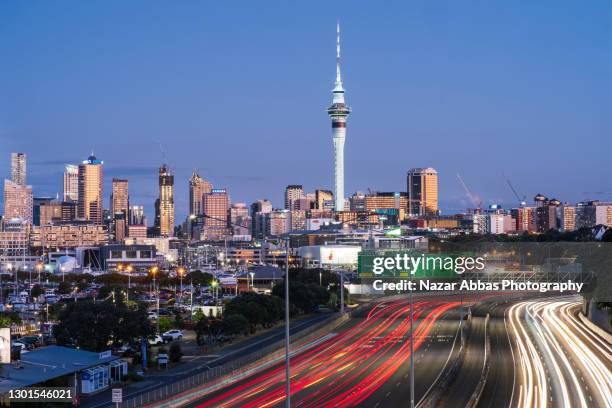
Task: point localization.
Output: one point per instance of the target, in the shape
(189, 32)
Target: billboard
(5, 345)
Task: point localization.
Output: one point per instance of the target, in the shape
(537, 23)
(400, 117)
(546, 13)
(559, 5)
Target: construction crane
(521, 202)
(477, 203)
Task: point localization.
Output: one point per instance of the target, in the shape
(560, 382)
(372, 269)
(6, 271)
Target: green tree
(235, 324)
(64, 288)
(92, 326)
(165, 323)
(175, 353)
(37, 290)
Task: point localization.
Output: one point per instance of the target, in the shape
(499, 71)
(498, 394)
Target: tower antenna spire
(338, 74)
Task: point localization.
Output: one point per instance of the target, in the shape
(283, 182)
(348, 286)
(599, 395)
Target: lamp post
(129, 270)
(39, 268)
(287, 368)
(214, 285)
(252, 274)
(320, 278)
(181, 271)
(154, 270)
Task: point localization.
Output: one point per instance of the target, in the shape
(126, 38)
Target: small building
(140, 257)
(260, 279)
(62, 366)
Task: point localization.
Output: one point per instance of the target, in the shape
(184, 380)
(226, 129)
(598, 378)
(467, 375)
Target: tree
(165, 323)
(92, 326)
(8, 318)
(175, 353)
(64, 288)
(235, 324)
(37, 290)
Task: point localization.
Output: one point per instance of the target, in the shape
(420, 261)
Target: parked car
(152, 316)
(172, 335)
(19, 344)
(156, 340)
(31, 342)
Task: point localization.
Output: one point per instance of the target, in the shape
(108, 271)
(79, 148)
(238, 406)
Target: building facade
(90, 196)
(18, 168)
(18, 201)
(71, 182)
(166, 202)
(197, 188)
(422, 191)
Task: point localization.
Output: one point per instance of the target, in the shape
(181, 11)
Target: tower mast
(338, 111)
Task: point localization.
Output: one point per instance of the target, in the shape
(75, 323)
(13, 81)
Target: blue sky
(238, 90)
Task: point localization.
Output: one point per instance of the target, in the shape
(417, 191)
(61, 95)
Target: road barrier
(448, 374)
(475, 398)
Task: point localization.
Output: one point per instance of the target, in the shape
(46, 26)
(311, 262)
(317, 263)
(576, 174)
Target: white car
(156, 340)
(173, 335)
(152, 316)
(19, 344)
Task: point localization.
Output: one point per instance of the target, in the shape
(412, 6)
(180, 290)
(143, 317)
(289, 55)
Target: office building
(136, 215)
(71, 182)
(293, 194)
(197, 188)
(166, 202)
(18, 168)
(422, 191)
(324, 200)
(240, 219)
(216, 208)
(90, 204)
(18, 201)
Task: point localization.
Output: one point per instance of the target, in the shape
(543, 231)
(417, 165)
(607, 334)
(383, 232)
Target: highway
(560, 362)
(364, 364)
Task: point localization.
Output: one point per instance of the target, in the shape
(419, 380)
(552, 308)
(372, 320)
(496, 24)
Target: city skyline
(448, 118)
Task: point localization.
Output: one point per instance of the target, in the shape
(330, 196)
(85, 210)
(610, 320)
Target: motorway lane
(499, 388)
(470, 369)
(349, 369)
(561, 362)
(429, 361)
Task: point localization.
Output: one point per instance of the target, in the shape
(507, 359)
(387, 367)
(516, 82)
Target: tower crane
(518, 198)
(477, 203)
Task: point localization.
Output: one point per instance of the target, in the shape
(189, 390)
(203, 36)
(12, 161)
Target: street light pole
(287, 368)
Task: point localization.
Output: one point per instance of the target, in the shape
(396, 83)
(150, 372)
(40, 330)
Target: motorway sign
(117, 395)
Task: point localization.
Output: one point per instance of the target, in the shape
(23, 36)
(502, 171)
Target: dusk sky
(238, 91)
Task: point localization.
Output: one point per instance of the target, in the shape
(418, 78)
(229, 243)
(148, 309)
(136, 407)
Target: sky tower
(338, 112)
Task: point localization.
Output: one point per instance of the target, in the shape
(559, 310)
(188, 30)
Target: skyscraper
(137, 216)
(197, 188)
(18, 201)
(422, 191)
(293, 194)
(166, 202)
(338, 112)
(18, 168)
(216, 208)
(90, 205)
(119, 203)
(119, 200)
(71, 183)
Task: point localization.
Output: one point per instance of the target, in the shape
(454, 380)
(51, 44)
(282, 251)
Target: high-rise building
(422, 191)
(258, 221)
(50, 212)
(18, 202)
(166, 202)
(71, 182)
(293, 193)
(119, 200)
(567, 217)
(278, 222)
(37, 203)
(18, 168)
(197, 188)
(137, 216)
(324, 200)
(338, 111)
(240, 219)
(216, 208)
(90, 205)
